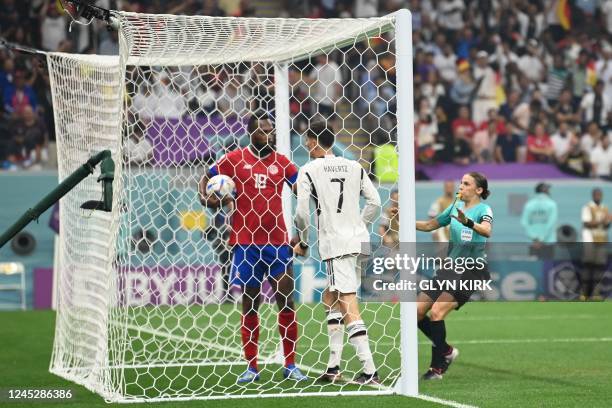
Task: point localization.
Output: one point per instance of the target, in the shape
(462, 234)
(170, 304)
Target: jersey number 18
(260, 180)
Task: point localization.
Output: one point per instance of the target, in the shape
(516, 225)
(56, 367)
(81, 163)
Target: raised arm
(427, 226)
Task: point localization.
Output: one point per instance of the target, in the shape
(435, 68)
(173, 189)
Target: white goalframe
(407, 383)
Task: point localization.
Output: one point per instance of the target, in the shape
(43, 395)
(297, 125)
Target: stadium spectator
(499, 121)
(29, 137)
(484, 98)
(465, 43)
(564, 111)
(450, 16)
(425, 131)
(426, 65)
(603, 68)
(462, 152)
(446, 64)
(483, 144)
(18, 95)
(575, 161)
(506, 59)
(531, 22)
(53, 26)
(600, 159)
(579, 71)
(539, 146)
(462, 90)
(539, 220)
(557, 80)
(595, 106)
(325, 81)
(508, 145)
(463, 127)
(432, 89)
(507, 109)
(445, 136)
(532, 64)
(561, 141)
(589, 140)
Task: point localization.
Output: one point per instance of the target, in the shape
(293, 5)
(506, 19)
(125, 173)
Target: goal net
(145, 311)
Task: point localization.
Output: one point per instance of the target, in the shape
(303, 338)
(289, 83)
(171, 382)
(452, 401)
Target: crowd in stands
(514, 81)
(495, 81)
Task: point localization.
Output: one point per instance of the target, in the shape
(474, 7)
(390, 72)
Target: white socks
(336, 338)
(358, 337)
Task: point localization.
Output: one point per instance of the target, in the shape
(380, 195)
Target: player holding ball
(259, 237)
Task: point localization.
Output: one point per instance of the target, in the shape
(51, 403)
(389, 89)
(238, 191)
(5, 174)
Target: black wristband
(469, 223)
(303, 245)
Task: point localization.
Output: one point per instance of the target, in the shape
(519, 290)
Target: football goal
(145, 311)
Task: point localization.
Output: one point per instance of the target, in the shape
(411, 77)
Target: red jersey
(534, 141)
(258, 218)
(466, 125)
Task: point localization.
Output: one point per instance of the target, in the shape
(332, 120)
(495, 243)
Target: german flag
(564, 13)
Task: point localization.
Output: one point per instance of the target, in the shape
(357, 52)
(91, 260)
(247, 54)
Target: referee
(470, 226)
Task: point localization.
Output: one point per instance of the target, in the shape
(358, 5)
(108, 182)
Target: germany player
(259, 238)
(336, 185)
(470, 225)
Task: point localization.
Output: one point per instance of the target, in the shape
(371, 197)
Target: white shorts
(344, 274)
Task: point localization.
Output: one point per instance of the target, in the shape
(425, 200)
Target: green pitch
(512, 355)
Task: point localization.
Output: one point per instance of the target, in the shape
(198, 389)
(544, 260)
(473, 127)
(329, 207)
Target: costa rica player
(259, 237)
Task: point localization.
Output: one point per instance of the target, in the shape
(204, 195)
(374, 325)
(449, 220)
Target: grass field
(512, 355)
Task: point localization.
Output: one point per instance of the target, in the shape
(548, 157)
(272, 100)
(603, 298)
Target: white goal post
(144, 311)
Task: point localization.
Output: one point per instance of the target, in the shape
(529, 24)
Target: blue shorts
(251, 263)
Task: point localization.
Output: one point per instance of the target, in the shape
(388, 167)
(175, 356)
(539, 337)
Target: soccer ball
(221, 186)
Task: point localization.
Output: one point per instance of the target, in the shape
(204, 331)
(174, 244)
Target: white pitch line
(526, 341)
(182, 338)
(518, 317)
(502, 341)
(449, 403)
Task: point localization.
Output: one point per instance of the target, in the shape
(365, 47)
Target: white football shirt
(336, 184)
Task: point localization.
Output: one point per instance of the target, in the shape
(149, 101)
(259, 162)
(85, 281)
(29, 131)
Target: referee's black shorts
(461, 295)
